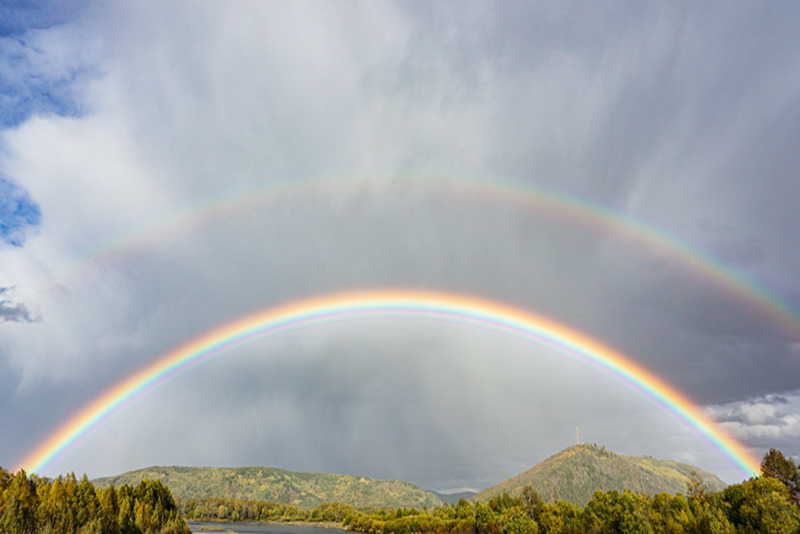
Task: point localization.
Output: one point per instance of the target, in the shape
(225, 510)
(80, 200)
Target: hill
(574, 474)
(305, 490)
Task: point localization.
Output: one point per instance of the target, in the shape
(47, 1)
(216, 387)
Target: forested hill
(305, 490)
(574, 474)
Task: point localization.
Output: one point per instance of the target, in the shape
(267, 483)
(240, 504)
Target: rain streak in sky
(627, 170)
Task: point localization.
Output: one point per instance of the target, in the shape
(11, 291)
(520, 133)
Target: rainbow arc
(399, 304)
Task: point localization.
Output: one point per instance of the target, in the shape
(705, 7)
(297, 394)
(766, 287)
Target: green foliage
(19, 505)
(558, 518)
(221, 509)
(305, 490)
(614, 512)
(66, 506)
(532, 503)
(514, 520)
(761, 505)
(330, 512)
(696, 488)
(776, 465)
(504, 501)
(485, 521)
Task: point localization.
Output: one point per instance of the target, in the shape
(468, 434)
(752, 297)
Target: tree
(5, 479)
(126, 501)
(109, 510)
(617, 513)
(516, 521)
(696, 488)
(761, 505)
(776, 465)
(670, 515)
(484, 518)
(87, 505)
(19, 506)
(503, 501)
(560, 518)
(532, 503)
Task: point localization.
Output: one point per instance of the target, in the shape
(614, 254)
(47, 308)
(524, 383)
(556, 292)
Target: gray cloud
(770, 420)
(15, 312)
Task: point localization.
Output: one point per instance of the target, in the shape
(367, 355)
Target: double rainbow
(363, 306)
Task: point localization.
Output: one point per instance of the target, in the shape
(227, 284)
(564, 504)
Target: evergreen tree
(109, 511)
(87, 503)
(19, 506)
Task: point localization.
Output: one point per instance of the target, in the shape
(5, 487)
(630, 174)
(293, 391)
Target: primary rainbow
(442, 307)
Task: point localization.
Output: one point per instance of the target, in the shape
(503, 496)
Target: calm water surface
(259, 528)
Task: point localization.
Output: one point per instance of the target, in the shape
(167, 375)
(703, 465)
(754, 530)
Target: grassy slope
(305, 490)
(574, 474)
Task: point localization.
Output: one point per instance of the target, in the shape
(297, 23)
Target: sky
(167, 168)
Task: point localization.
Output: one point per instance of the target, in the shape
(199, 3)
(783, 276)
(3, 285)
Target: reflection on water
(258, 528)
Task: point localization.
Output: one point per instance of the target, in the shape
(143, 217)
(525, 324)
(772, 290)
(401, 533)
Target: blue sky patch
(19, 214)
(19, 16)
(30, 81)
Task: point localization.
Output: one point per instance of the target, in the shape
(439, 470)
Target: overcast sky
(167, 167)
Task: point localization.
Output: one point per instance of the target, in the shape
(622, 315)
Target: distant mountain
(453, 498)
(305, 490)
(574, 474)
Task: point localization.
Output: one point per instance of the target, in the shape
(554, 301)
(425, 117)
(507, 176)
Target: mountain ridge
(575, 473)
(302, 489)
(571, 475)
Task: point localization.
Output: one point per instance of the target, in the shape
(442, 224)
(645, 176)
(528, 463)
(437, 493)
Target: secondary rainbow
(592, 216)
(371, 305)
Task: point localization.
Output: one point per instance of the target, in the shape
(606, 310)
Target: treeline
(67, 506)
(768, 504)
(213, 509)
(758, 505)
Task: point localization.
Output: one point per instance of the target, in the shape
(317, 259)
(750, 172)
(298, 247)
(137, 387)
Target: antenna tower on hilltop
(578, 435)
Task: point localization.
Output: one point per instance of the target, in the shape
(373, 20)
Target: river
(258, 528)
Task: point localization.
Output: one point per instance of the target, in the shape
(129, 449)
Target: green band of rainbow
(350, 307)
